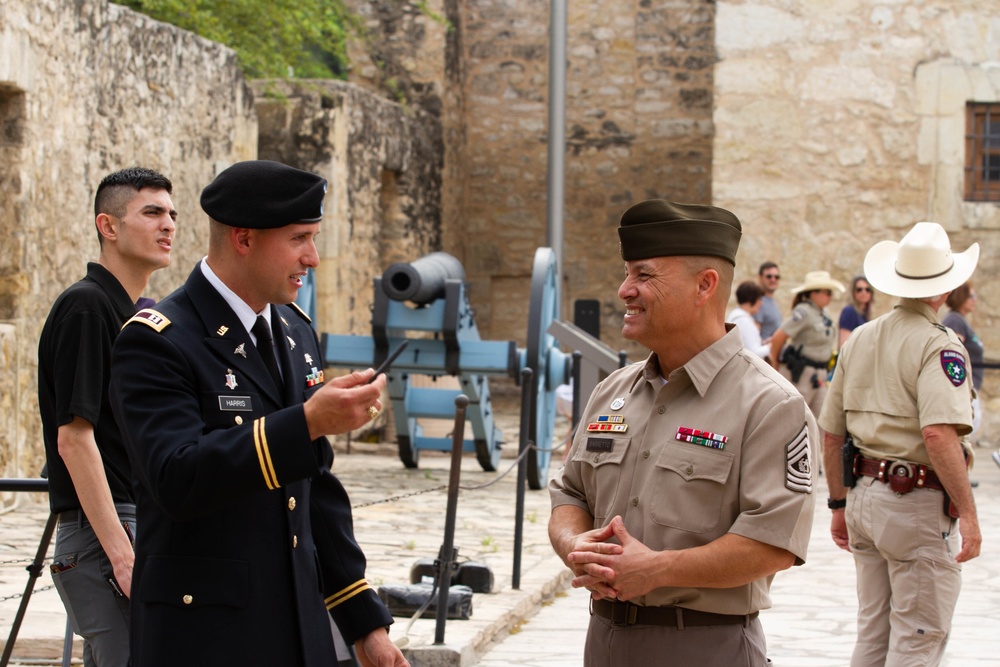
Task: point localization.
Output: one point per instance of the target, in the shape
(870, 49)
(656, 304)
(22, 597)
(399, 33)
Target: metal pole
(34, 571)
(577, 389)
(522, 474)
(447, 556)
(557, 133)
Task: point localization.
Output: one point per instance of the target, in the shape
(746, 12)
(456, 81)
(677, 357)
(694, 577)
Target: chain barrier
(17, 596)
(444, 487)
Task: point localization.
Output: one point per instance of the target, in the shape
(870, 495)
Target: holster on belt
(796, 363)
(848, 451)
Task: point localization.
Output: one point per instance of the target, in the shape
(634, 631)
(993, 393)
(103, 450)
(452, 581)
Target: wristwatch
(836, 504)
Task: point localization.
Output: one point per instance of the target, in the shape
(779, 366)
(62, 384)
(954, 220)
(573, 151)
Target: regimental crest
(230, 379)
(798, 467)
(953, 364)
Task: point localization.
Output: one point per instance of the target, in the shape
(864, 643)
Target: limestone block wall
(639, 125)
(842, 123)
(383, 163)
(86, 88)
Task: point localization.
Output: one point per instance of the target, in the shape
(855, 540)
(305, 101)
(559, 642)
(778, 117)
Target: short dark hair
(959, 295)
(765, 266)
(748, 292)
(117, 188)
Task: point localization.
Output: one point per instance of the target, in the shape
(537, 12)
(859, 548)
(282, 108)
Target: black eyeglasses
(772, 276)
(863, 289)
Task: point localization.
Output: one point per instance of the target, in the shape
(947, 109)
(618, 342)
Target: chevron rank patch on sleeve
(798, 468)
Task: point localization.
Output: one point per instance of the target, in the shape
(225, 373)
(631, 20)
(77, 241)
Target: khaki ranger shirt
(809, 327)
(638, 453)
(895, 375)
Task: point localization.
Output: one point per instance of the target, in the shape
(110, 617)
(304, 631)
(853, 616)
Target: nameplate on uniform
(235, 403)
(600, 444)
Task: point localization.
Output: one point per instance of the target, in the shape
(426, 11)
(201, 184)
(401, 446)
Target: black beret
(660, 228)
(260, 194)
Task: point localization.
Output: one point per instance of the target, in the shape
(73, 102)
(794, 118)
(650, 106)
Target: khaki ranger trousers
(908, 580)
(736, 645)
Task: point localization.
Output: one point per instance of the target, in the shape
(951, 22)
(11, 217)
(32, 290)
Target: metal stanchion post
(577, 391)
(447, 556)
(522, 474)
(35, 569)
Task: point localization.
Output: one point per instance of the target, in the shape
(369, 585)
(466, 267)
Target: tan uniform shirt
(895, 375)
(810, 327)
(751, 474)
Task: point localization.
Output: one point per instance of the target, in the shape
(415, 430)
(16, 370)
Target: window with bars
(982, 152)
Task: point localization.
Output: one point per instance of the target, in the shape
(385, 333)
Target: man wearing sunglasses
(769, 315)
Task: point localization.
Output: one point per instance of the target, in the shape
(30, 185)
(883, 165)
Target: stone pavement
(812, 622)
(811, 625)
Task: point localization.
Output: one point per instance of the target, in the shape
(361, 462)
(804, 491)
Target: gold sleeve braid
(346, 593)
(264, 454)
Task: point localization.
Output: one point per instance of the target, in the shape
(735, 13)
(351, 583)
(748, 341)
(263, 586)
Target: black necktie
(263, 333)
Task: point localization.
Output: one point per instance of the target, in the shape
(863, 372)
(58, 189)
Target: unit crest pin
(230, 379)
(618, 404)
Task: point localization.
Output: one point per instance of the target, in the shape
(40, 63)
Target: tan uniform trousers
(735, 645)
(908, 579)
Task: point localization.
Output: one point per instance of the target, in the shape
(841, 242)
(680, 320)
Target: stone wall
(86, 88)
(382, 161)
(639, 125)
(842, 123)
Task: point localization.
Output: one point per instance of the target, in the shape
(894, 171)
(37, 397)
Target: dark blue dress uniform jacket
(244, 538)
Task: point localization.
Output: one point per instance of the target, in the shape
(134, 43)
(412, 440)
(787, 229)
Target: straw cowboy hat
(921, 265)
(819, 280)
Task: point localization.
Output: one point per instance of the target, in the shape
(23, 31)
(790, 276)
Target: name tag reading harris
(235, 403)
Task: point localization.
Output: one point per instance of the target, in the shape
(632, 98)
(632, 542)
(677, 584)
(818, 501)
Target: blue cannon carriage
(429, 296)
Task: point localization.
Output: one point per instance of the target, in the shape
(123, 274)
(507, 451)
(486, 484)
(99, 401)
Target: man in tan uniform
(689, 482)
(901, 389)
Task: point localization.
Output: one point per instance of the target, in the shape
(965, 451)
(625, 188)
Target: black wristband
(836, 504)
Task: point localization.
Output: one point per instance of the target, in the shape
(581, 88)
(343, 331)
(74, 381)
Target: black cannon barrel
(421, 281)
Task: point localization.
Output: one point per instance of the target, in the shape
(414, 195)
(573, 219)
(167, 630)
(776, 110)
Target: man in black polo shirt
(89, 474)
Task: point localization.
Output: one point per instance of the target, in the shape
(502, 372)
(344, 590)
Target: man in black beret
(247, 546)
(689, 482)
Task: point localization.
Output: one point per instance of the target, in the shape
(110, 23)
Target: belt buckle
(623, 613)
(901, 477)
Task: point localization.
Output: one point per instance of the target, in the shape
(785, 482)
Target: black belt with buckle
(626, 613)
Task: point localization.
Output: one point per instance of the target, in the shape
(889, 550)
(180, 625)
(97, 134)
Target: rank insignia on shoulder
(150, 318)
(294, 306)
(798, 468)
(699, 437)
(953, 364)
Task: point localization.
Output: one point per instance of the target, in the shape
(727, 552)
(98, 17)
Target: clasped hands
(619, 569)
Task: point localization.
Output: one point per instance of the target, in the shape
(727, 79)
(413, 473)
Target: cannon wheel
(543, 309)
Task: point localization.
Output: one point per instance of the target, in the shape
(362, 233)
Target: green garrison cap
(261, 194)
(661, 228)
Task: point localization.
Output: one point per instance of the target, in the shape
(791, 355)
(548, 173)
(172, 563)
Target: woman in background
(962, 301)
(810, 335)
(858, 311)
(749, 297)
